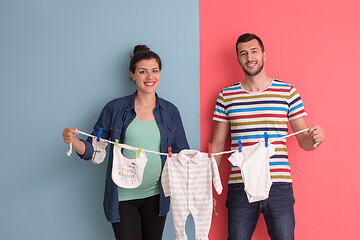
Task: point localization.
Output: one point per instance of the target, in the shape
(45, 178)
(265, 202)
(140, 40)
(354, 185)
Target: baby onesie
(255, 170)
(128, 173)
(187, 178)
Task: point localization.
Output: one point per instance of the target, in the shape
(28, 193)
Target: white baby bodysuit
(255, 170)
(99, 150)
(187, 178)
(128, 173)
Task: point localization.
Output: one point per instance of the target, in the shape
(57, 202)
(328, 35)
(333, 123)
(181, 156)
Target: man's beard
(261, 66)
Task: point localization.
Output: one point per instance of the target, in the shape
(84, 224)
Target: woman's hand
(69, 135)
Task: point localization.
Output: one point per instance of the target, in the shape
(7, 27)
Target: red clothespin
(169, 150)
(209, 147)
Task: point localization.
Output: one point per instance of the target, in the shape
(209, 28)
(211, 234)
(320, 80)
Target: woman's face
(147, 75)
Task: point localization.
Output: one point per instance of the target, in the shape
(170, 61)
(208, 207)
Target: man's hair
(247, 37)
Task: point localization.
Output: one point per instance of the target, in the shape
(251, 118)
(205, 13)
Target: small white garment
(255, 170)
(128, 173)
(187, 178)
(99, 150)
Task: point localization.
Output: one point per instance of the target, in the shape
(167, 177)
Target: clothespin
(138, 153)
(240, 146)
(209, 147)
(169, 150)
(266, 136)
(99, 134)
(116, 142)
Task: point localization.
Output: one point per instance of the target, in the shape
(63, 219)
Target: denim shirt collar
(159, 102)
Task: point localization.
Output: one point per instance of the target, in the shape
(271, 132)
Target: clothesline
(165, 154)
(277, 139)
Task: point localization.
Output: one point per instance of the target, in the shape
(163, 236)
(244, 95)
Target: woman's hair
(142, 52)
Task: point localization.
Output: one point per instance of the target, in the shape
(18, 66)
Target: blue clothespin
(99, 134)
(240, 146)
(266, 139)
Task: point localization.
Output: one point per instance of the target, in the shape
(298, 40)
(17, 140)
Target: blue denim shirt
(114, 120)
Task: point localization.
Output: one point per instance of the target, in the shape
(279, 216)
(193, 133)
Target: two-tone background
(61, 61)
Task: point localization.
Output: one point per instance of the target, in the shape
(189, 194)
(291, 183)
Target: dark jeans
(278, 211)
(140, 220)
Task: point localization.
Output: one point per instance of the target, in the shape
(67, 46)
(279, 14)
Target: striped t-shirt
(252, 113)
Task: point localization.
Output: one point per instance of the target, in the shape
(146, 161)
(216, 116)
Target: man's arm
(308, 139)
(220, 133)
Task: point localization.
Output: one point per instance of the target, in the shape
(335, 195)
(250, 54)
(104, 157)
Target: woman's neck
(144, 106)
(145, 100)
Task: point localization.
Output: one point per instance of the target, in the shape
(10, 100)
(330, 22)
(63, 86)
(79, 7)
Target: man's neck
(256, 83)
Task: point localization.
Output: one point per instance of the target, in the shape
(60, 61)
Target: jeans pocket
(235, 187)
(236, 196)
(283, 193)
(285, 185)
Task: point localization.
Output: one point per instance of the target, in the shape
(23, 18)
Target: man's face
(250, 57)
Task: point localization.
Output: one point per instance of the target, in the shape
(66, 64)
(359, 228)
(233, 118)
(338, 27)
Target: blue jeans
(278, 211)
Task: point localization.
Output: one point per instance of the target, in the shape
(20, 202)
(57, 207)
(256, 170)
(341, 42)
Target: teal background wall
(60, 62)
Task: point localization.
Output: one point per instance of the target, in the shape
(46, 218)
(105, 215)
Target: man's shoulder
(235, 86)
(281, 83)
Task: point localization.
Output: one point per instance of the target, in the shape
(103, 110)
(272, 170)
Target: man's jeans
(278, 211)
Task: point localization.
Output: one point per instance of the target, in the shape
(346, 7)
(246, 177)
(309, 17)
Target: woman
(141, 120)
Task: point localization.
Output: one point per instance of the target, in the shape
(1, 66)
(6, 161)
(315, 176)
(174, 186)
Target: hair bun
(140, 48)
(142, 52)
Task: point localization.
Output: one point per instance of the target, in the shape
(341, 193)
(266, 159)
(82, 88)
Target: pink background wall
(313, 45)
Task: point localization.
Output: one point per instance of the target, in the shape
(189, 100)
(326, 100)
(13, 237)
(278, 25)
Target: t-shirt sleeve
(296, 106)
(220, 113)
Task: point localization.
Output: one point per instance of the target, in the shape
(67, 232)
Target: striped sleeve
(216, 176)
(165, 178)
(296, 106)
(220, 113)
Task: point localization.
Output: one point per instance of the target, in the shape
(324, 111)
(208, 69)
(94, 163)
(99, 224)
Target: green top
(144, 135)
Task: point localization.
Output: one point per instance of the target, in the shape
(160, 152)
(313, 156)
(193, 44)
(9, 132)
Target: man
(249, 108)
